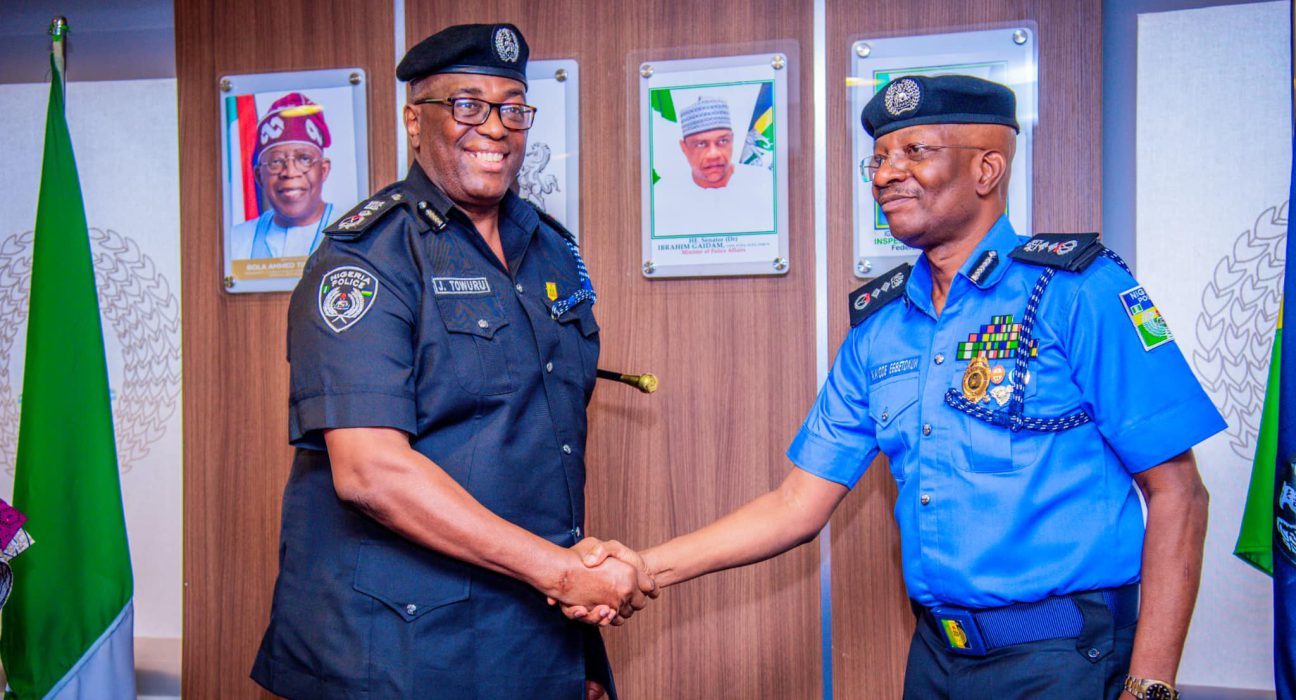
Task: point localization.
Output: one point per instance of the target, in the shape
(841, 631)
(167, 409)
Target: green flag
(1255, 538)
(68, 629)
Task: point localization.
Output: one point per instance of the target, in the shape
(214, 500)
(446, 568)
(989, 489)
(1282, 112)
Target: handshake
(608, 585)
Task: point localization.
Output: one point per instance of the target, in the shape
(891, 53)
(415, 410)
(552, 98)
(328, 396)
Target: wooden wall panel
(871, 617)
(235, 374)
(735, 356)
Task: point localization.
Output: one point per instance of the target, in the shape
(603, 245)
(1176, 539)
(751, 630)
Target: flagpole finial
(58, 28)
(58, 31)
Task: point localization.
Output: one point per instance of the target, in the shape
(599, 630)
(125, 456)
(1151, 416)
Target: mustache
(886, 194)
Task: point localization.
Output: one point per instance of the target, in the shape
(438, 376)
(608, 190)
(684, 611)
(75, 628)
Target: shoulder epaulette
(1072, 252)
(553, 223)
(886, 288)
(357, 221)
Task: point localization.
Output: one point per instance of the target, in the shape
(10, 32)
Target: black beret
(938, 99)
(482, 49)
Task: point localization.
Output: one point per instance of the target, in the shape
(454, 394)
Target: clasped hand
(611, 584)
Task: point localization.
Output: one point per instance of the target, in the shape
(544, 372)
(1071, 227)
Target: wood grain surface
(871, 616)
(736, 356)
(236, 453)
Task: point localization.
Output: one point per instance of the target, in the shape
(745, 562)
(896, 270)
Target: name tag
(893, 369)
(442, 286)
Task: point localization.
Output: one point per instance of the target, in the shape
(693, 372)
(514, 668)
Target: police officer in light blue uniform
(1025, 391)
(443, 348)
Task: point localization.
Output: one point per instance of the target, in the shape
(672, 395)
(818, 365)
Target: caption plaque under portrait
(713, 166)
(1008, 56)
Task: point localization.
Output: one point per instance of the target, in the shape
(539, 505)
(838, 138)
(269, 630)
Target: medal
(1001, 393)
(976, 379)
(997, 374)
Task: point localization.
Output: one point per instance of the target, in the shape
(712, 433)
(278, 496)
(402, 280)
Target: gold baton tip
(647, 383)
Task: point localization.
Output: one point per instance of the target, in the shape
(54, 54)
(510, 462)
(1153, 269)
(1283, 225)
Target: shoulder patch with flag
(1148, 323)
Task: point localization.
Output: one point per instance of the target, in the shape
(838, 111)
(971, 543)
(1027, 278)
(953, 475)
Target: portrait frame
(339, 94)
(550, 175)
(737, 227)
(1008, 55)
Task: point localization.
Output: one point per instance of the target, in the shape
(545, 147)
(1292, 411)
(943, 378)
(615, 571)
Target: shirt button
(927, 429)
(566, 449)
(924, 499)
(483, 323)
(576, 532)
(411, 609)
(548, 366)
(885, 415)
(940, 359)
(518, 287)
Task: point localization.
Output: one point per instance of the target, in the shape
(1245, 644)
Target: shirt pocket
(477, 344)
(891, 408)
(410, 581)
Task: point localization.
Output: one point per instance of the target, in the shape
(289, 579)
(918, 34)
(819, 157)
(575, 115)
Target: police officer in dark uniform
(1025, 392)
(443, 349)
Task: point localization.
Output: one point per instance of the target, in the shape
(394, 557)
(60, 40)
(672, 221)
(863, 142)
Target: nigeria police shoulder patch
(1151, 327)
(345, 295)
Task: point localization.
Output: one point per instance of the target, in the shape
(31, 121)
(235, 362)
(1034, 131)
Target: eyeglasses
(277, 164)
(904, 158)
(471, 111)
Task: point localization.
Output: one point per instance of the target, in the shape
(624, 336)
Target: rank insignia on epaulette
(363, 215)
(887, 287)
(1065, 251)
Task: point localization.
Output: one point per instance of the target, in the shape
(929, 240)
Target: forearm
(1172, 563)
(765, 527)
(409, 494)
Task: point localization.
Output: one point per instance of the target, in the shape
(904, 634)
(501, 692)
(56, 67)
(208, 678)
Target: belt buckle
(959, 627)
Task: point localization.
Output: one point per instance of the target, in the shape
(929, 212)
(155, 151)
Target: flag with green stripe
(68, 629)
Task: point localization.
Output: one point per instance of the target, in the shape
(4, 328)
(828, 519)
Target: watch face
(1159, 691)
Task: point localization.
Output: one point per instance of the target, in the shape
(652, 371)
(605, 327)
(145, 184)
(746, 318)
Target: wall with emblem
(124, 135)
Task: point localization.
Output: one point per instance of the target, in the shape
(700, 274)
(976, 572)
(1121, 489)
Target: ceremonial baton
(647, 383)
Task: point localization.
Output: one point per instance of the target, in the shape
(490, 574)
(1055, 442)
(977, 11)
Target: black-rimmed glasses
(471, 111)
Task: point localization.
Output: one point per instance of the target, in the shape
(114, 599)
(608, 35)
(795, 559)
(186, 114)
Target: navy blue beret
(481, 49)
(938, 99)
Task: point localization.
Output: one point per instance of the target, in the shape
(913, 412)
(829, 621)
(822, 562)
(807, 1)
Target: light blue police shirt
(987, 516)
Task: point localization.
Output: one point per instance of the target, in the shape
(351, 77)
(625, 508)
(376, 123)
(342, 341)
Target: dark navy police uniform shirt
(989, 516)
(412, 323)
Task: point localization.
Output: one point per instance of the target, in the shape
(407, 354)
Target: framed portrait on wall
(1007, 56)
(713, 166)
(550, 175)
(295, 157)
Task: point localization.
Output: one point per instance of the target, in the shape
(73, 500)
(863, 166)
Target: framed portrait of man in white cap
(714, 181)
(293, 145)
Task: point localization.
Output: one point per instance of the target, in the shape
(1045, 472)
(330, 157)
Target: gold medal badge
(976, 379)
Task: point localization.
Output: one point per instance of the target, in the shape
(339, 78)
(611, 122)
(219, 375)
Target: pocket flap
(583, 315)
(480, 317)
(891, 399)
(408, 580)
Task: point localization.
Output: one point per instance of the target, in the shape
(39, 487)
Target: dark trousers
(1052, 668)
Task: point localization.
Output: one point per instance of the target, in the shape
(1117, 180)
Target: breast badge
(976, 379)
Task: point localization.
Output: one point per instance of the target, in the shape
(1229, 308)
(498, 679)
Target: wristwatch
(1148, 689)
